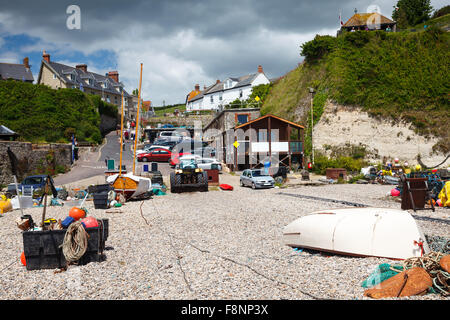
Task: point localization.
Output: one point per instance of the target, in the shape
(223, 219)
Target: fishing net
(383, 272)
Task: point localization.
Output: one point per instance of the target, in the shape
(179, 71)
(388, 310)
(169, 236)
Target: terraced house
(224, 92)
(57, 75)
(18, 72)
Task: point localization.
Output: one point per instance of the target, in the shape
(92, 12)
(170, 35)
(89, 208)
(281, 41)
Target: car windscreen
(188, 164)
(258, 173)
(32, 180)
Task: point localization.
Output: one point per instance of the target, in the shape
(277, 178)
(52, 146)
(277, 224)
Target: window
(91, 82)
(72, 77)
(54, 76)
(242, 118)
(240, 94)
(212, 99)
(220, 98)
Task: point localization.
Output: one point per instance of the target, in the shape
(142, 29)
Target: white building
(225, 92)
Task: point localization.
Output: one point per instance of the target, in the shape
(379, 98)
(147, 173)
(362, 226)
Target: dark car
(35, 183)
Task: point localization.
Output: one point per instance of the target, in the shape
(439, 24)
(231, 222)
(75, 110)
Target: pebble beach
(213, 245)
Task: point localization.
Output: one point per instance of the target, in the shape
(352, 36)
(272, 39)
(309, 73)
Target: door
(245, 178)
(164, 155)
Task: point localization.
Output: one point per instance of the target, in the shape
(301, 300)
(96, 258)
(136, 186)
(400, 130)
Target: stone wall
(32, 158)
(108, 124)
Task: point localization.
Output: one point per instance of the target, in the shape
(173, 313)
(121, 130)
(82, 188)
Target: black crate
(101, 200)
(100, 188)
(42, 248)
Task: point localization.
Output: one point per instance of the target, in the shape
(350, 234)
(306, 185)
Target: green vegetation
(398, 76)
(409, 13)
(160, 111)
(41, 114)
(351, 164)
(256, 98)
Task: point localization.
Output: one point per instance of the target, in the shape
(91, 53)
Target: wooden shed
(268, 138)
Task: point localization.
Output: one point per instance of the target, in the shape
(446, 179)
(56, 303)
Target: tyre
(145, 159)
(253, 186)
(173, 183)
(241, 183)
(202, 180)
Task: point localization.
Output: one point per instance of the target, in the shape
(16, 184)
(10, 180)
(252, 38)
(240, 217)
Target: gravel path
(214, 245)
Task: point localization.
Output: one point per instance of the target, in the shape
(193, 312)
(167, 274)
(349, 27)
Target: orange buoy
(22, 259)
(77, 213)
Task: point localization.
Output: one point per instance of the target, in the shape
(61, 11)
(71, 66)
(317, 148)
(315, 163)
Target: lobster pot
(43, 249)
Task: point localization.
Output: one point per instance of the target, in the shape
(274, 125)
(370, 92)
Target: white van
(171, 136)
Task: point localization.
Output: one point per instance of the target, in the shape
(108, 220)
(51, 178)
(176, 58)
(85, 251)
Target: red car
(155, 155)
(175, 158)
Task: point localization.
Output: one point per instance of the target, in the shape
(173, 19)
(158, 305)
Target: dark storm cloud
(207, 18)
(182, 42)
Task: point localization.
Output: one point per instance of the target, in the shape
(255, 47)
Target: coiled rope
(75, 242)
(429, 262)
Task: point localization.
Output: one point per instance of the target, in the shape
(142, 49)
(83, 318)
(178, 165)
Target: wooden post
(289, 145)
(121, 140)
(269, 139)
(137, 123)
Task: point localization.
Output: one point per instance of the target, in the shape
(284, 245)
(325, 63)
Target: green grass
(396, 76)
(169, 109)
(41, 114)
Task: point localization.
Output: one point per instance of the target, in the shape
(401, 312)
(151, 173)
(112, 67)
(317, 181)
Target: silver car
(256, 179)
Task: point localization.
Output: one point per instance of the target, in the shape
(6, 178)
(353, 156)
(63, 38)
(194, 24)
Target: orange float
(77, 213)
(22, 259)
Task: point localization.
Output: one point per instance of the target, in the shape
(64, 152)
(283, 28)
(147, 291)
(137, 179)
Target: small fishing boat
(130, 185)
(366, 232)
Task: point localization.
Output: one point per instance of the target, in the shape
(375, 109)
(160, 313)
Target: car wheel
(241, 183)
(253, 185)
(145, 159)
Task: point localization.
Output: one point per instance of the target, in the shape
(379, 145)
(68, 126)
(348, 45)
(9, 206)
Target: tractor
(188, 175)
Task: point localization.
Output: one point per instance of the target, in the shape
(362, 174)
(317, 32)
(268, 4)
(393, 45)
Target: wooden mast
(137, 122)
(121, 140)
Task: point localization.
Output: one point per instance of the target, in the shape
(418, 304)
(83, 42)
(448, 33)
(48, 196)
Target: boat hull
(366, 232)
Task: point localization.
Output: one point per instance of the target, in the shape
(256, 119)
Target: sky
(180, 43)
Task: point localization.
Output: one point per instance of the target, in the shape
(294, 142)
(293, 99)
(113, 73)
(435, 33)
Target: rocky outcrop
(383, 139)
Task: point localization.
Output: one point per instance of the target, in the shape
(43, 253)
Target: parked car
(256, 179)
(156, 155)
(149, 149)
(35, 183)
(173, 136)
(209, 164)
(205, 152)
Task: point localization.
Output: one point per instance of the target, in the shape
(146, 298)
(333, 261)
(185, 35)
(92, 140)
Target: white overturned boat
(367, 232)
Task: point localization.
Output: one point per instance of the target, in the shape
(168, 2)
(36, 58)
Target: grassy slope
(41, 114)
(390, 75)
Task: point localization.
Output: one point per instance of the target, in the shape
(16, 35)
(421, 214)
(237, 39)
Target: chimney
(260, 69)
(46, 56)
(204, 87)
(82, 67)
(26, 63)
(114, 75)
(197, 87)
(218, 81)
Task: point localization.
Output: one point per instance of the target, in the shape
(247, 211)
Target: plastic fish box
(43, 249)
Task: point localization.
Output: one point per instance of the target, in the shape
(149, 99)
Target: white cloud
(9, 57)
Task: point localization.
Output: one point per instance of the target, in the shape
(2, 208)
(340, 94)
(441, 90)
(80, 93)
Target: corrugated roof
(16, 72)
(364, 19)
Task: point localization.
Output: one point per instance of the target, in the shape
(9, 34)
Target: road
(94, 163)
